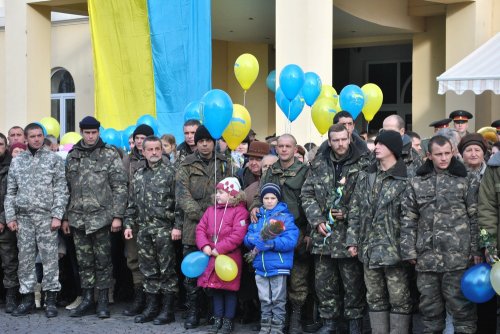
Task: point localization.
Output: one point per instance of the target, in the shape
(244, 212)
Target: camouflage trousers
(298, 287)
(441, 292)
(387, 289)
(133, 258)
(333, 275)
(190, 284)
(34, 233)
(93, 252)
(8, 256)
(157, 260)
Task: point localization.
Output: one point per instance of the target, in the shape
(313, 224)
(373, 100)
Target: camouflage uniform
(412, 159)
(334, 265)
(374, 227)
(151, 208)
(439, 230)
(98, 189)
(36, 193)
(194, 188)
(291, 181)
(8, 240)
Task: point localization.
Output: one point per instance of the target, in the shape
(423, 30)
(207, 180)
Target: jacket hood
(353, 155)
(399, 170)
(494, 160)
(79, 146)
(456, 168)
(279, 208)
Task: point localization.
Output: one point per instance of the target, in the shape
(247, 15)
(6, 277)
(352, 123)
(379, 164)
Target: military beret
(461, 116)
(496, 124)
(443, 123)
(88, 123)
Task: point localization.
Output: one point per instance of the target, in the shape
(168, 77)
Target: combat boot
(356, 326)
(86, 307)
(295, 320)
(151, 310)
(10, 300)
(329, 327)
(26, 306)
(227, 326)
(166, 315)
(102, 303)
(400, 323)
(139, 302)
(193, 317)
(50, 304)
(277, 326)
(379, 322)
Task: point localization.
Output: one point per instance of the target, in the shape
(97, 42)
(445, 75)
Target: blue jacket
(279, 260)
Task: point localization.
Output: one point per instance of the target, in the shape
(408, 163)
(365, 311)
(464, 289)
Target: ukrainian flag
(150, 57)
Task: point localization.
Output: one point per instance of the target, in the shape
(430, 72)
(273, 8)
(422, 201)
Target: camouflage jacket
(4, 169)
(412, 159)
(489, 203)
(36, 185)
(439, 218)
(183, 150)
(374, 215)
(320, 187)
(194, 190)
(97, 184)
(152, 197)
(135, 160)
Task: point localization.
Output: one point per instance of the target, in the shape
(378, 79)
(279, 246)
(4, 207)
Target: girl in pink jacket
(221, 231)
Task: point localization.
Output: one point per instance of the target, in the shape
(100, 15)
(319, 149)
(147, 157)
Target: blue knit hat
(270, 188)
(89, 123)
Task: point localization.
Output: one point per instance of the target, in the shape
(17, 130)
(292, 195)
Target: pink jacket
(230, 237)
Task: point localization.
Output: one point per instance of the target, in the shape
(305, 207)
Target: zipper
(263, 264)
(281, 258)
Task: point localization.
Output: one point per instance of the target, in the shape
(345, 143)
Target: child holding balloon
(274, 258)
(220, 232)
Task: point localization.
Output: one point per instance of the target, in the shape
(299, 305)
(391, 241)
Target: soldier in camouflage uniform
(374, 236)
(188, 146)
(98, 190)
(8, 240)
(326, 195)
(289, 173)
(151, 207)
(439, 234)
(195, 185)
(36, 198)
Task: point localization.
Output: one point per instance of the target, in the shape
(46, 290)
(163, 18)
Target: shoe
(74, 304)
(50, 300)
(192, 316)
(295, 320)
(87, 305)
(11, 299)
(356, 326)
(265, 326)
(27, 305)
(139, 302)
(400, 323)
(38, 296)
(329, 327)
(166, 314)
(102, 309)
(379, 322)
(151, 310)
(277, 326)
(227, 326)
(216, 326)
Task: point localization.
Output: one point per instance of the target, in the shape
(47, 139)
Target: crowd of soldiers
(388, 224)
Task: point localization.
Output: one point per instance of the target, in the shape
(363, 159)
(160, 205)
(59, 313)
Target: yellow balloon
(70, 138)
(329, 92)
(322, 113)
(238, 127)
(373, 100)
(246, 70)
(226, 268)
(495, 277)
(51, 125)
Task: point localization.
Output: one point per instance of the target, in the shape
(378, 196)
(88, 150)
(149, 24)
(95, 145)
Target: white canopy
(478, 72)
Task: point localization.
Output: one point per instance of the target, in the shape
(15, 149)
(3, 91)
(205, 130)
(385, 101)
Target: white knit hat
(231, 185)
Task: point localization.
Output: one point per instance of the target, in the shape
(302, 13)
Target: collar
(455, 168)
(398, 171)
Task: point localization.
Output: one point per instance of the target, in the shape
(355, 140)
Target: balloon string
(244, 98)
(215, 188)
(367, 127)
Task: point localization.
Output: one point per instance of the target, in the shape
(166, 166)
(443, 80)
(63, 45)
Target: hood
(399, 170)
(279, 208)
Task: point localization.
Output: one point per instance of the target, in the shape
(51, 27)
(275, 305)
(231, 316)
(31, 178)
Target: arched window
(63, 99)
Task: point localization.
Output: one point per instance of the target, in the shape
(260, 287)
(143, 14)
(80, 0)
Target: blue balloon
(476, 285)
(311, 88)
(125, 135)
(194, 264)
(352, 99)
(44, 130)
(148, 120)
(112, 137)
(271, 80)
(192, 111)
(291, 109)
(217, 111)
(291, 81)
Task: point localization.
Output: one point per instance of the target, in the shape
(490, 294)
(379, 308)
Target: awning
(478, 72)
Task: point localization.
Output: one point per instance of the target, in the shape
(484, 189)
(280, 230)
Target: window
(63, 99)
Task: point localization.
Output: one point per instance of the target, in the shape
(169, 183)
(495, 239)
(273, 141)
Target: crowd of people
(371, 228)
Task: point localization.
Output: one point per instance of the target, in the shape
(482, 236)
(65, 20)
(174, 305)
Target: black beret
(89, 122)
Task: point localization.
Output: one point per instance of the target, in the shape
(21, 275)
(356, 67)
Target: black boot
(151, 310)
(217, 325)
(166, 315)
(192, 318)
(329, 327)
(11, 300)
(87, 306)
(139, 302)
(50, 304)
(26, 306)
(356, 326)
(227, 326)
(102, 303)
(295, 326)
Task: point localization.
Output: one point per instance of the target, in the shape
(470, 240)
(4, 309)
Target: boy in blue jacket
(274, 258)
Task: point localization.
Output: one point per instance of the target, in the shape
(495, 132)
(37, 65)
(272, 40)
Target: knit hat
(270, 188)
(17, 145)
(231, 185)
(89, 122)
(143, 129)
(392, 140)
(202, 133)
(472, 139)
